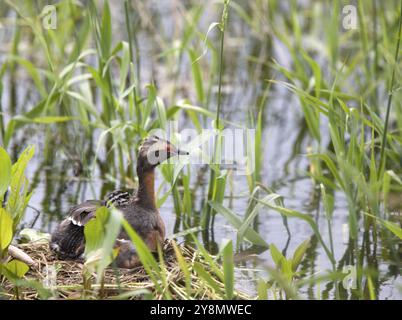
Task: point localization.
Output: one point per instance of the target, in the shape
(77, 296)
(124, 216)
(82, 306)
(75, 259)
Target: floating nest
(65, 280)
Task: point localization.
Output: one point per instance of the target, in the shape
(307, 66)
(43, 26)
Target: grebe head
(154, 150)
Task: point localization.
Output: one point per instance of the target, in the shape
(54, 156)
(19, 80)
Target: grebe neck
(146, 188)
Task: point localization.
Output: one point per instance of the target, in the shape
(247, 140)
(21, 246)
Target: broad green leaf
(5, 172)
(113, 226)
(6, 229)
(262, 289)
(100, 237)
(17, 268)
(299, 254)
(95, 230)
(276, 255)
(18, 199)
(286, 269)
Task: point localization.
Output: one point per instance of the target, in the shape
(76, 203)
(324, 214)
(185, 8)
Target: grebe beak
(182, 152)
(174, 151)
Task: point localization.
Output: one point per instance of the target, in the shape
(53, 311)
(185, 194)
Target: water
(56, 187)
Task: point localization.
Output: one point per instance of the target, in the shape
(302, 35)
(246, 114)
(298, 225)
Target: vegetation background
(320, 215)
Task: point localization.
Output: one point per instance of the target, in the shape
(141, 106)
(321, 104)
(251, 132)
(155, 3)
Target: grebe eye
(157, 153)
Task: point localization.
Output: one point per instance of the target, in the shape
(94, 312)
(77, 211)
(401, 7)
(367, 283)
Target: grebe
(139, 209)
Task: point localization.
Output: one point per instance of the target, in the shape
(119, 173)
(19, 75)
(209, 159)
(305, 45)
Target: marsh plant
(310, 207)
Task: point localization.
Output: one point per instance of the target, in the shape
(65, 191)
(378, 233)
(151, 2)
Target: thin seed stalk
(130, 44)
(390, 95)
(212, 181)
(223, 23)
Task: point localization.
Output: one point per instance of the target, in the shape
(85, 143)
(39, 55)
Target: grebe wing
(82, 213)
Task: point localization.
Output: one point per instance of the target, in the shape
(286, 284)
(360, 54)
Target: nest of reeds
(66, 279)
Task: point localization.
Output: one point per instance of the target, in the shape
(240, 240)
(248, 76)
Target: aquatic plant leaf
(250, 218)
(393, 175)
(331, 166)
(276, 255)
(32, 71)
(305, 217)
(18, 199)
(328, 200)
(197, 76)
(100, 236)
(394, 228)
(299, 254)
(17, 268)
(6, 229)
(5, 173)
(125, 64)
(262, 289)
(304, 96)
(95, 230)
(228, 268)
(36, 111)
(45, 119)
(106, 30)
(161, 109)
(151, 100)
(258, 146)
(76, 64)
(188, 107)
(205, 49)
(99, 80)
(112, 227)
(391, 226)
(231, 217)
(87, 104)
(316, 71)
